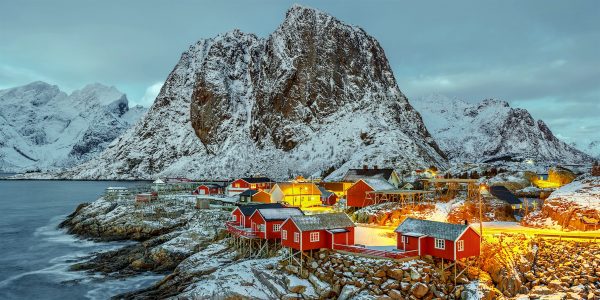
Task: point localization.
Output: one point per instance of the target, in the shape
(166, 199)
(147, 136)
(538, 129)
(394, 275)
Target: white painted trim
(435, 244)
(419, 243)
(318, 235)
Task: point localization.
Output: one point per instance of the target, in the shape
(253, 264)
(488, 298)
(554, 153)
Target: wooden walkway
(373, 253)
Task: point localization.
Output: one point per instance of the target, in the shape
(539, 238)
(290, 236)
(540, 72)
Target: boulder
(397, 274)
(395, 294)
(419, 290)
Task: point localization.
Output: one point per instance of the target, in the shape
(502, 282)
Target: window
(253, 186)
(261, 228)
(440, 244)
(233, 218)
(460, 245)
(296, 237)
(284, 234)
(314, 236)
(276, 227)
(405, 239)
(236, 185)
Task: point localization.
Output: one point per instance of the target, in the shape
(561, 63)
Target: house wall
(261, 197)
(276, 194)
(344, 238)
(306, 200)
(427, 248)
(331, 200)
(324, 240)
(255, 221)
(238, 216)
(413, 243)
(472, 244)
(356, 194)
(394, 179)
(291, 229)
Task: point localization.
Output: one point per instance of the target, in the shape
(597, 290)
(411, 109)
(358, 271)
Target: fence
(374, 252)
(244, 232)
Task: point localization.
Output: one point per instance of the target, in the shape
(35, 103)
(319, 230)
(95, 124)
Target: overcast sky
(539, 55)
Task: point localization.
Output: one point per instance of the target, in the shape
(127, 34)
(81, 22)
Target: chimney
(466, 222)
(365, 167)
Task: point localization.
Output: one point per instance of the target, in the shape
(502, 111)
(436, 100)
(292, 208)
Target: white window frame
(276, 227)
(460, 245)
(233, 218)
(296, 237)
(284, 234)
(261, 228)
(405, 239)
(315, 236)
(439, 244)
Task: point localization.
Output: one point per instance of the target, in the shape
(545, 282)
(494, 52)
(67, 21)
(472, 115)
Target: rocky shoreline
(190, 248)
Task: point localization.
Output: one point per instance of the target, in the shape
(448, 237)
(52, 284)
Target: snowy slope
(591, 148)
(43, 128)
(491, 130)
(315, 95)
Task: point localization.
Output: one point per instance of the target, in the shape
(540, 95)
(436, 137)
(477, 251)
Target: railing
(239, 231)
(374, 252)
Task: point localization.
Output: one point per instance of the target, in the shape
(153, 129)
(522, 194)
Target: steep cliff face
(492, 131)
(43, 128)
(315, 95)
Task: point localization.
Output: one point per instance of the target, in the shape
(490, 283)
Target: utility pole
(481, 189)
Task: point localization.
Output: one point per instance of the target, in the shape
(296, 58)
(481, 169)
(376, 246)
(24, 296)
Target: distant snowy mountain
(43, 128)
(315, 96)
(591, 148)
(491, 131)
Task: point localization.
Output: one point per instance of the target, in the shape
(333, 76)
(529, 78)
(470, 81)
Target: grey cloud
(520, 51)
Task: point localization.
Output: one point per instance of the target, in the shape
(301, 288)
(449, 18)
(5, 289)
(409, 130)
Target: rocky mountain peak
(60, 130)
(492, 130)
(314, 95)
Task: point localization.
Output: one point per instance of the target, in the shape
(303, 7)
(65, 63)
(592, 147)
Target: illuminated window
(460, 245)
(440, 244)
(253, 186)
(296, 237)
(276, 227)
(236, 185)
(284, 234)
(314, 236)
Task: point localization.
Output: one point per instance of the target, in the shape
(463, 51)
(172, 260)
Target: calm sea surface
(35, 255)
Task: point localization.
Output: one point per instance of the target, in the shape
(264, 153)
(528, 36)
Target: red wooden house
(356, 196)
(252, 183)
(327, 197)
(266, 222)
(240, 216)
(317, 231)
(208, 189)
(438, 239)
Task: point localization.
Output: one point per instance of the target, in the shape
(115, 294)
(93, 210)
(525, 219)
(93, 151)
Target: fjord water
(35, 255)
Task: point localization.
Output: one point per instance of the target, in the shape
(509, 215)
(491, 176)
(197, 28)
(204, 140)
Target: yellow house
(302, 194)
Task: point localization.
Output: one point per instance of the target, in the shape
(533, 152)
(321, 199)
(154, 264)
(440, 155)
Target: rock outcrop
(575, 206)
(315, 95)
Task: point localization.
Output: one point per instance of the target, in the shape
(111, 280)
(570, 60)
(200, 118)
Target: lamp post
(482, 189)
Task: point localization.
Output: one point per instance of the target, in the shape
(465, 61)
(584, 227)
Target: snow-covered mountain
(491, 131)
(43, 128)
(592, 148)
(317, 95)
